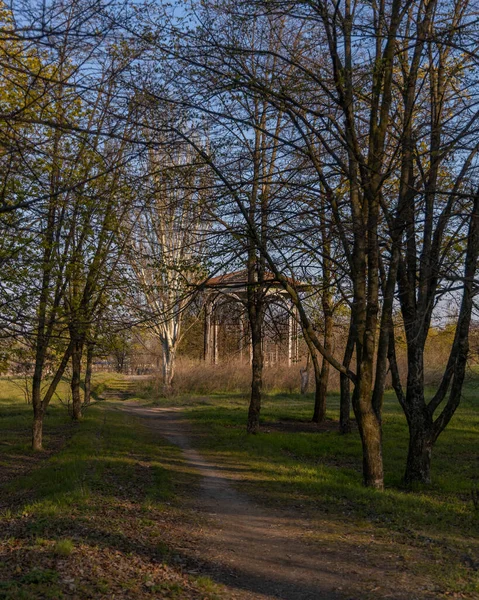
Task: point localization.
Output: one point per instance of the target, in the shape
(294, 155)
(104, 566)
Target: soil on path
(261, 553)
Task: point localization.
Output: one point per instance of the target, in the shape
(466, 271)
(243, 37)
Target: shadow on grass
(107, 489)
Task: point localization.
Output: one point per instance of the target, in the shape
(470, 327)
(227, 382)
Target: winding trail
(268, 554)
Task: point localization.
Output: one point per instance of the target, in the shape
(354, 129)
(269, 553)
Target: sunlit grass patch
(63, 547)
(323, 468)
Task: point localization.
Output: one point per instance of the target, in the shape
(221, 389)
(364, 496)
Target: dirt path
(265, 554)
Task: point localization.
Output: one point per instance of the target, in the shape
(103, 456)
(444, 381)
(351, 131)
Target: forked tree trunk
(40, 404)
(88, 373)
(424, 429)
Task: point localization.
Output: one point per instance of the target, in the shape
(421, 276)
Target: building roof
(239, 279)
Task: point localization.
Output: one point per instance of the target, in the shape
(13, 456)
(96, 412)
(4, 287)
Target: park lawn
(99, 514)
(319, 473)
(92, 517)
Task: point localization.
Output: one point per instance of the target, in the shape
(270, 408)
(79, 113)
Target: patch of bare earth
(266, 553)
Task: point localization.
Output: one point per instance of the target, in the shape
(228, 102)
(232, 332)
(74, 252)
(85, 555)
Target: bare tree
(165, 251)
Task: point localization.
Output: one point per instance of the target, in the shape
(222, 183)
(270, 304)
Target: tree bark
(304, 373)
(40, 405)
(256, 370)
(345, 386)
(76, 378)
(88, 373)
(371, 439)
(418, 466)
(420, 422)
(37, 431)
(168, 366)
(322, 382)
(319, 412)
(38, 412)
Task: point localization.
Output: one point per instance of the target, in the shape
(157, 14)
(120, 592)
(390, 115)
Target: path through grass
(318, 472)
(93, 517)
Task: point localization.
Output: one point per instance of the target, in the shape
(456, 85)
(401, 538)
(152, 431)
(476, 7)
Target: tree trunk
(88, 373)
(76, 378)
(418, 466)
(319, 396)
(420, 422)
(322, 381)
(168, 367)
(256, 373)
(304, 373)
(327, 305)
(38, 411)
(319, 410)
(37, 432)
(345, 384)
(369, 429)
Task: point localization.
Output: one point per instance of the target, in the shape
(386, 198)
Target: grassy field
(319, 472)
(93, 516)
(98, 514)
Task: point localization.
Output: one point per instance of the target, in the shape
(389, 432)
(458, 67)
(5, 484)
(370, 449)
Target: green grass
(106, 485)
(63, 547)
(320, 473)
(87, 516)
